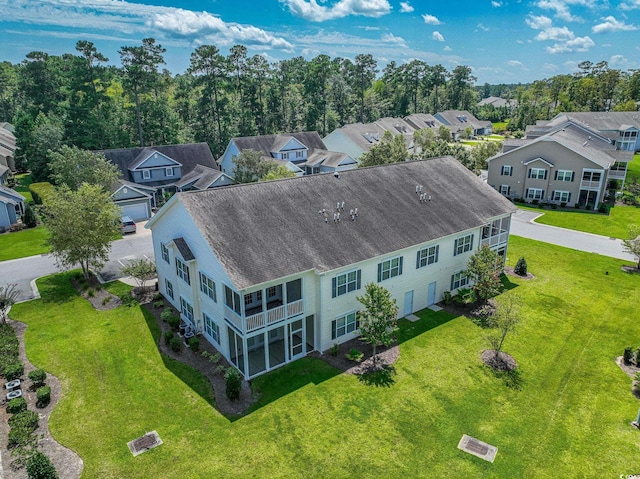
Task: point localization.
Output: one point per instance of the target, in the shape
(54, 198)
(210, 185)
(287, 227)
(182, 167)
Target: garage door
(138, 211)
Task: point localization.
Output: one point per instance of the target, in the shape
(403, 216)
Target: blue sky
(502, 40)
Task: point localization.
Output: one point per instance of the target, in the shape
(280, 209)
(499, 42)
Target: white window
(207, 286)
(459, 279)
(232, 300)
(390, 268)
(345, 283)
(272, 291)
(182, 270)
(168, 171)
(537, 173)
(211, 328)
(505, 190)
(165, 252)
(593, 176)
(564, 175)
(534, 194)
(426, 256)
(507, 170)
(343, 325)
(186, 309)
(146, 174)
(251, 298)
(562, 196)
(463, 244)
(285, 156)
(168, 288)
(299, 154)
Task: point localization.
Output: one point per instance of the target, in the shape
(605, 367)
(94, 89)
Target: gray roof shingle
(273, 229)
(184, 249)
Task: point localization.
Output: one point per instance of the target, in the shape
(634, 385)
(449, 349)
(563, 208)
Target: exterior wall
(226, 163)
(562, 159)
(222, 181)
(338, 141)
(291, 148)
(5, 215)
(157, 160)
(157, 174)
(129, 194)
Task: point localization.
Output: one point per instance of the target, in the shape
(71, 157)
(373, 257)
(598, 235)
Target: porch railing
(295, 308)
(590, 184)
(617, 174)
(502, 237)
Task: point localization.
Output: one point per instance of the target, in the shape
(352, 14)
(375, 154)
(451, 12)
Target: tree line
(78, 99)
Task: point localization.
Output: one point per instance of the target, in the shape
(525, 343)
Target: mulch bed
(504, 361)
(385, 357)
(630, 269)
(509, 272)
(100, 298)
(67, 463)
(630, 370)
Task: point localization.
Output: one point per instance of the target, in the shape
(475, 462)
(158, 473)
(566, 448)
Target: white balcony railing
(274, 315)
(295, 308)
(502, 237)
(590, 184)
(617, 174)
(233, 318)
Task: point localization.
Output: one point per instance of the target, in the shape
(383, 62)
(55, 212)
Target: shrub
(38, 377)
(576, 206)
(603, 208)
(447, 298)
(16, 406)
(521, 267)
(13, 371)
(333, 350)
(355, 355)
(214, 358)
(25, 419)
(563, 204)
(19, 436)
(157, 296)
(233, 383)
(194, 344)
(465, 296)
(219, 369)
(43, 396)
(535, 202)
(174, 321)
(29, 218)
(105, 300)
(39, 466)
(168, 336)
(175, 344)
(636, 356)
(41, 191)
(158, 304)
(628, 356)
(554, 206)
(166, 314)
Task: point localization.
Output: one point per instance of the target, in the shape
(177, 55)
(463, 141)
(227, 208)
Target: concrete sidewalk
(523, 224)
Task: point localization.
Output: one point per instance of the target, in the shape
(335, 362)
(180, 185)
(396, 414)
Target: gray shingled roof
(8, 192)
(451, 117)
(189, 156)
(184, 249)
(268, 143)
(273, 229)
(200, 176)
(611, 120)
(325, 158)
(421, 121)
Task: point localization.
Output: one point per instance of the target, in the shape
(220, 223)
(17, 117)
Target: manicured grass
(500, 126)
(633, 169)
(24, 180)
(565, 413)
(614, 225)
(23, 243)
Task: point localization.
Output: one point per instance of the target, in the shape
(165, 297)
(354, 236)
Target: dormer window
(146, 174)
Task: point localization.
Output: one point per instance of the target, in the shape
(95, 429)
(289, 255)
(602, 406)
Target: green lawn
(24, 180)
(633, 169)
(23, 243)
(565, 414)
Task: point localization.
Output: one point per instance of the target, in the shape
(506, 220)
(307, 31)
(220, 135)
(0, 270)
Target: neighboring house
(276, 275)
(497, 102)
(421, 121)
(304, 153)
(4, 174)
(11, 207)
(148, 173)
(7, 146)
(458, 121)
(568, 166)
(622, 128)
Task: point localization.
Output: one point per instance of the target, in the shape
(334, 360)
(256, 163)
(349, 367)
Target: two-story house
(7, 147)
(571, 165)
(277, 275)
(150, 172)
(459, 120)
(304, 153)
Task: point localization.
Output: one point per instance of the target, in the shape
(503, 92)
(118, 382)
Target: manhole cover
(144, 443)
(478, 448)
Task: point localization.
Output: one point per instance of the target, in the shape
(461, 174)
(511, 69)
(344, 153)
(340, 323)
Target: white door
(431, 296)
(408, 303)
(138, 211)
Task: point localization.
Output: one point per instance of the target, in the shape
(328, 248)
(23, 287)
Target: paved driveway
(523, 225)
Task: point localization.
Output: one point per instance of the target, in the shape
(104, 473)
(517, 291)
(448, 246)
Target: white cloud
(405, 7)
(610, 24)
(561, 8)
(480, 26)
(555, 33)
(310, 10)
(128, 18)
(430, 19)
(495, 4)
(447, 48)
(538, 22)
(515, 63)
(437, 36)
(391, 38)
(630, 5)
(579, 44)
(550, 67)
(622, 62)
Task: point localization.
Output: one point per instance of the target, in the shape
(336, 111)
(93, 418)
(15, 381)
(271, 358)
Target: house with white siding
(277, 275)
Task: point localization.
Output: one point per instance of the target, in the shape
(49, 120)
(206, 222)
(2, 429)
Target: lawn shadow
(384, 377)
(428, 320)
(57, 288)
(512, 379)
(507, 284)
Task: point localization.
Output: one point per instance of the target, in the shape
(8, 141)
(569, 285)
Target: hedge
(41, 191)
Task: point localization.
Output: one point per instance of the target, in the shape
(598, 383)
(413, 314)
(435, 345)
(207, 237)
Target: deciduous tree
(632, 245)
(141, 270)
(71, 166)
(8, 297)
(378, 319)
(484, 268)
(250, 166)
(504, 321)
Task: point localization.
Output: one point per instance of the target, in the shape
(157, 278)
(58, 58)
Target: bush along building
(270, 271)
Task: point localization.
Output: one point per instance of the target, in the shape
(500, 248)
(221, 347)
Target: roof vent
(336, 174)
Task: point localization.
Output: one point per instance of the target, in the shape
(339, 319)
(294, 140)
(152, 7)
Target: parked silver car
(128, 225)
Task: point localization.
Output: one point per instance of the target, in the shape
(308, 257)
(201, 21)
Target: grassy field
(633, 171)
(24, 180)
(565, 413)
(23, 243)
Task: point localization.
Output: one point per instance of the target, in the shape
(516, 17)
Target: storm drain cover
(478, 448)
(144, 443)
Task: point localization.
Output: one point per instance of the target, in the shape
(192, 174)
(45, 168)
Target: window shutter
(511, 171)
(502, 170)
(526, 193)
(333, 329)
(556, 175)
(573, 175)
(418, 260)
(529, 174)
(437, 251)
(508, 190)
(452, 276)
(400, 271)
(359, 277)
(472, 242)
(542, 195)
(569, 197)
(545, 174)
(455, 248)
(379, 272)
(333, 287)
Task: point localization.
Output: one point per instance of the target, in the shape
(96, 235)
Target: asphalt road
(24, 270)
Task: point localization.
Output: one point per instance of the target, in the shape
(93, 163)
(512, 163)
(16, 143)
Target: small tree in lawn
(484, 268)
(142, 270)
(632, 245)
(378, 319)
(8, 297)
(505, 321)
(250, 166)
